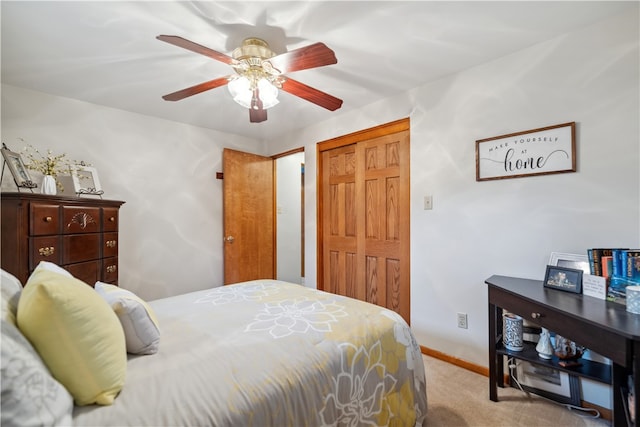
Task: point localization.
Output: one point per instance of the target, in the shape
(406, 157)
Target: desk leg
(495, 363)
(636, 379)
(617, 382)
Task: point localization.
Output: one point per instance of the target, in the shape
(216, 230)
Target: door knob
(229, 239)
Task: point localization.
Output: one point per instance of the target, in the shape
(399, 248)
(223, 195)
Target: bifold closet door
(365, 218)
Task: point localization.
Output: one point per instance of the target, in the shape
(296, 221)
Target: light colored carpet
(458, 398)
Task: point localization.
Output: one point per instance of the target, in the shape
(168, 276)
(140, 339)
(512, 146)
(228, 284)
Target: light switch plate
(428, 203)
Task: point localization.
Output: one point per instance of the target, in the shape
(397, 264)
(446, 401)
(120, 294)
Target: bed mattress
(271, 353)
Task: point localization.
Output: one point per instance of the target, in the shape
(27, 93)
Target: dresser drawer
(44, 249)
(80, 247)
(109, 219)
(110, 245)
(80, 219)
(44, 219)
(88, 272)
(110, 270)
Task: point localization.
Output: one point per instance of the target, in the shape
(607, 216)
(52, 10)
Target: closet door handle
(229, 239)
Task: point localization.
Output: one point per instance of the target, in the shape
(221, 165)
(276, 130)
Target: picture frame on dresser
(17, 167)
(547, 382)
(85, 180)
(563, 279)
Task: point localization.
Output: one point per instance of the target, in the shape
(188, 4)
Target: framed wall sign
(564, 279)
(540, 151)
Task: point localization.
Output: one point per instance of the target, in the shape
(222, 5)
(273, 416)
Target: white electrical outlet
(462, 321)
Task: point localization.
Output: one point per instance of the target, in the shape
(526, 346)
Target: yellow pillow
(77, 335)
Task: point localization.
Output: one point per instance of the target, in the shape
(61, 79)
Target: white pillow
(138, 320)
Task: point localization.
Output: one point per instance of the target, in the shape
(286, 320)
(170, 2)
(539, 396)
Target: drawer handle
(111, 269)
(48, 219)
(536, 315)
(46, 251)
(112, 219)
(83, 219)
(111, 243)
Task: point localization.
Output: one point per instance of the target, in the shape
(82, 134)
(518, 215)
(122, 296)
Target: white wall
(509, 227)
(171, 224)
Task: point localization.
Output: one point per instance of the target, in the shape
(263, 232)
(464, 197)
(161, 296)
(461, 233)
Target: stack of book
(621, 267)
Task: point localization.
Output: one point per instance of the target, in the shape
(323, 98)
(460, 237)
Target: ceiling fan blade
(194, 90)
(315, 55)
(316, 96)
(195, 47)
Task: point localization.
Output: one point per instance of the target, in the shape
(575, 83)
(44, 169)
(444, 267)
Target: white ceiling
(106, 52)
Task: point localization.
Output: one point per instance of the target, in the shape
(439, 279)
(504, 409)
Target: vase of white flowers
(50, 166)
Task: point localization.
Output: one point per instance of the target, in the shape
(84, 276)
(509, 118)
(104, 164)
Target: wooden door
(364, 216)
(249, 235)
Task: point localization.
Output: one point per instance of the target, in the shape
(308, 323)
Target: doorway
(290, 217)
(248, 213)
(263, 211)
(363, 216)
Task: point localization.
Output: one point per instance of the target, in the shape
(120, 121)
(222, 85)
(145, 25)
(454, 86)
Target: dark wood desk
(602, 326)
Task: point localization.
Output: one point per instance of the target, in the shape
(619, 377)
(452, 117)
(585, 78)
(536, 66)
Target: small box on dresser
(79, 234)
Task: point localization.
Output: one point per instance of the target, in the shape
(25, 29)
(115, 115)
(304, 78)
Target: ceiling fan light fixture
(253, 48)
(241, 89)
(268, 93)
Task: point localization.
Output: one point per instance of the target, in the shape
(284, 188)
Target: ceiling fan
(259, 73)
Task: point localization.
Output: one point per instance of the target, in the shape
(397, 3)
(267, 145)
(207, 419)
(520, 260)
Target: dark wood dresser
(79, 234)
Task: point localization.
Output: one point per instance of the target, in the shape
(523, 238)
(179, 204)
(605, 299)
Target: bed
(268, 353)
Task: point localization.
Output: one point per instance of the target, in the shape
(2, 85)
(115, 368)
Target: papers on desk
(594, 286)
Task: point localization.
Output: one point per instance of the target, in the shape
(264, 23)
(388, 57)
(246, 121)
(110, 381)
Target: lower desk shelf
(590, 369)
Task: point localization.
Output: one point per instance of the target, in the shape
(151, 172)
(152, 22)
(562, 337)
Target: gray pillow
(30, 395)
(10, 289)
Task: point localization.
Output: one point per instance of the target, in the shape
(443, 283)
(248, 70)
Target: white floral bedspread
(271, 353)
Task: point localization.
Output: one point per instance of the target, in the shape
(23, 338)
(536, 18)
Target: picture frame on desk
(563, 279)
(577, 261)
(547, 382)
